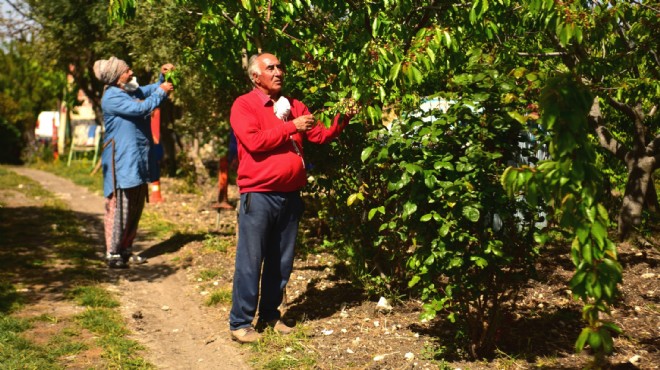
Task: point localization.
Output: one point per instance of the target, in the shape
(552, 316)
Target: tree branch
(542, 55)
(605, 138)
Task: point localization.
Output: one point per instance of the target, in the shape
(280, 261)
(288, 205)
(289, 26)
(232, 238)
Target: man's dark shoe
(245, 335)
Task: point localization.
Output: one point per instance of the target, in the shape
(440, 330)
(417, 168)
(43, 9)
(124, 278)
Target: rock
(636, 359)
(165, 308)
(383, 305)
(409, 356)
(327, 331)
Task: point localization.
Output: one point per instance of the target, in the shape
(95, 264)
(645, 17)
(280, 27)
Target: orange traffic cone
(155, 196)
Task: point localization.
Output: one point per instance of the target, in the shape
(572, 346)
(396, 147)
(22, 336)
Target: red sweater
(267, 158)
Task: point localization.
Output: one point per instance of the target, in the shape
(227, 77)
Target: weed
(276, 351)
(155, 226)
(64, 343)
(10, 300)
(79, 172)
(219, 296)
(210, 274)
(93, 296)
(214, 243)
(102, 321)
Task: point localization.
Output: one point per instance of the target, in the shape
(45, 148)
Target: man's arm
(319, 134)
(249, 133)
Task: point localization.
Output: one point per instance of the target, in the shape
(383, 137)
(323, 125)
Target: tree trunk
(202, 175)
(638, 189)
(168, 114)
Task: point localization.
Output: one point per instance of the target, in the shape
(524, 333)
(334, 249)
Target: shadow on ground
(50, 250)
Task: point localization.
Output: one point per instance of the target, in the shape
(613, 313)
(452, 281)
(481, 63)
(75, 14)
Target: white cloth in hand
(282, 108)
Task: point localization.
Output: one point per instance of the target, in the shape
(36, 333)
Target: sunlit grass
(45, 242)
(93, 296)
(210, 274)
(275, 351)
(214, 243)
(155, 226)
(79, 172)
(222, 296)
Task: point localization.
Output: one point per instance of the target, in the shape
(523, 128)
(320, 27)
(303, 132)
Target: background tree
(28, 85)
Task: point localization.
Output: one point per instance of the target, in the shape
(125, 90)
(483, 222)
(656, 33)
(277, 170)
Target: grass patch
(17, 352)
(93, 296)
(10, 300)
(119, 351)
(79, 172)
(275, 351)
(65, 344)
(155, 226)
(12, 181)
(213, 243)
(210, 274)
(219, 297)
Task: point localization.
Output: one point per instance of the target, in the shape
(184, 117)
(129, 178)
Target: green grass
(79, 173)
(16, 352)
(210, 274)
(10, 300)
(222, 296)
(275, 351)
(93, 296)
(156, 227)
(213, 243)
(45, 243)
(119, 351)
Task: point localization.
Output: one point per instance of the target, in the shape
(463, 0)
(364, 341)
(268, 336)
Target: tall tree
(500, 68)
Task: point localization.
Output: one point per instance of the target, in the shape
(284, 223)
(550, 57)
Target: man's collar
(265, 98)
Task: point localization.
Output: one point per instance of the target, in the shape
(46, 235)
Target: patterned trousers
(123, 210)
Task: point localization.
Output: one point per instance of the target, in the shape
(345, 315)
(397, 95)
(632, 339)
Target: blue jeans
(267, 230)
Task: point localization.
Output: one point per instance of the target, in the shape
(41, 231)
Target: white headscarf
(109, 70)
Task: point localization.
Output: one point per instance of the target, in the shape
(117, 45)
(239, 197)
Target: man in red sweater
(270, 129)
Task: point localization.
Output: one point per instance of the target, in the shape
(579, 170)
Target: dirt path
(156, 298)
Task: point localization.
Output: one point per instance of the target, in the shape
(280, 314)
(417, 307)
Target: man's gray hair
(252, 67)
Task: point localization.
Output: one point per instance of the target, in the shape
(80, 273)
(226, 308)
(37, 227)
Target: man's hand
(351, 108)
(166, 68)
(167, 86)
(304, 123)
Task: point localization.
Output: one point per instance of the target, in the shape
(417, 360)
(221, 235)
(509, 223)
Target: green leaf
(595, 340)
(582, 340)
(415, 279)
(351, 199)
(517, 116)
(471, 213)
(408, 209)
(426, 218)
(366, 152)
(394, 72)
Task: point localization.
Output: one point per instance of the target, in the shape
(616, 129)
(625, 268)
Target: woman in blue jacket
(126, 113)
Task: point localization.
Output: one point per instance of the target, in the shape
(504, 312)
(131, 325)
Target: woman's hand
(166, 68)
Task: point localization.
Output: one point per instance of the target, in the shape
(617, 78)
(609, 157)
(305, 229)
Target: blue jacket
(127, 136)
